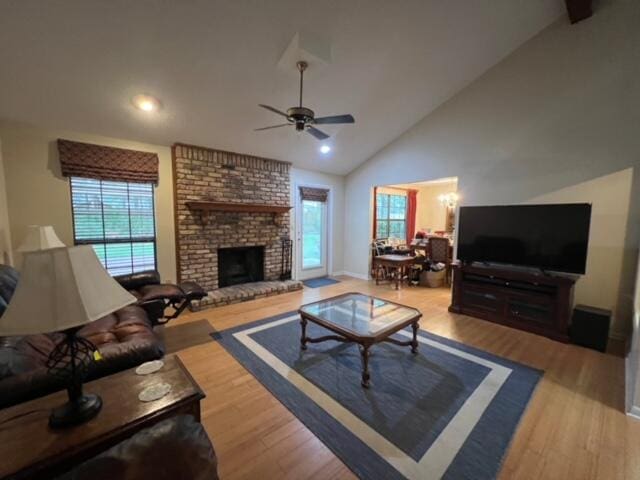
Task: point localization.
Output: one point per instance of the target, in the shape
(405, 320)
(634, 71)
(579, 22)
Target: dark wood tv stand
(534, 302)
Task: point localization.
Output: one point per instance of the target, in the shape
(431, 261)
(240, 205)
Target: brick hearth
(249, 291)
(203, 174)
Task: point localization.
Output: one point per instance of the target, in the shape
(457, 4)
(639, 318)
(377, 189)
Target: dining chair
(378, 247)
(438, 252)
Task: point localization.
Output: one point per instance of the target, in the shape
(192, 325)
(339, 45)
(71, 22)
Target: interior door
(312, 239)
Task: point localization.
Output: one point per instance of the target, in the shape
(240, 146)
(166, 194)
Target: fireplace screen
(240, 265)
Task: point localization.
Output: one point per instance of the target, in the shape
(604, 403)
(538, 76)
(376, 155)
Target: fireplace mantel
(236, 207)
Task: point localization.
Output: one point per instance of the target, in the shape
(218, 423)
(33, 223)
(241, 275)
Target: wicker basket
(432, 279)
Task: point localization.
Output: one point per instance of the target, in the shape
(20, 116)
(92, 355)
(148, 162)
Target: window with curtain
(391, 216)
(117, 219)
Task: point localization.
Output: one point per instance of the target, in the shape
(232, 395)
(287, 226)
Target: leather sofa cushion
(21, 355)
(125, 325)
(176, 448)
(133, 281)
(125, 339)
(12, 360)
(161, 291)
(193, 291)
(8, 281)
(136, 294)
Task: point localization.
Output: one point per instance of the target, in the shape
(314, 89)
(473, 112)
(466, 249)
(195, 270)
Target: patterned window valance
(314, 194)
(107, 163)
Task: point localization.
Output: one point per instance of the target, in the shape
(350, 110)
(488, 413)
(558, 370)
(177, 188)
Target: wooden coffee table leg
(303, 337)
(414, 342)
(364, 351)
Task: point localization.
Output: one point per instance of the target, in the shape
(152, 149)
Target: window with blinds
(117, 219)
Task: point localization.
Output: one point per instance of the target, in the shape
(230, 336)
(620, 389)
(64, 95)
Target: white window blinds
(117, 219)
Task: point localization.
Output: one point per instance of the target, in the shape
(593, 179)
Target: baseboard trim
(356, 275)
(339, 272)
(634, 412)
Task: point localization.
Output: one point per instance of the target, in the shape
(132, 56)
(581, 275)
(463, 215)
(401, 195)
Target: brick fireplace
(218, 179)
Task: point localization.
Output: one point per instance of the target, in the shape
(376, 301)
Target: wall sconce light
(448, 199)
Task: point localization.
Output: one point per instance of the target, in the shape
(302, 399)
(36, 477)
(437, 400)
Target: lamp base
(76, 411)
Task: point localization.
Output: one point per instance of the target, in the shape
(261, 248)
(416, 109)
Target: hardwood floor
(573, 428)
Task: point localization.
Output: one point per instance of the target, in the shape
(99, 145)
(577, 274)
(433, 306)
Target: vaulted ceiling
(75, 64)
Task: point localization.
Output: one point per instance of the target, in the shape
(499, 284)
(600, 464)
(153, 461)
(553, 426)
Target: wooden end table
(362, 319)
(30, 449)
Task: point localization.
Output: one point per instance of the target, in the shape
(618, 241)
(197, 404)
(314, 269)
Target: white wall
(38, 194)
(6, 255)
(562, 110)
(610, 196)
(336, 219)
(430, 213)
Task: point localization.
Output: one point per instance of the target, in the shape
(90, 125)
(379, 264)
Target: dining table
(396, 265)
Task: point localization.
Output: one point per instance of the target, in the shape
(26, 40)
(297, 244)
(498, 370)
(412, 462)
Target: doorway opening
(406, 216)
(312, 232)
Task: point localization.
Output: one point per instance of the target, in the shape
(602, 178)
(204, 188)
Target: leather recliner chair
(148, 289)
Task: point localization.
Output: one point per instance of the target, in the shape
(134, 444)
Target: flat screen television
(550, 237)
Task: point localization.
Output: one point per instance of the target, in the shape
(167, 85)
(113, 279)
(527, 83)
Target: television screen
(549, 237)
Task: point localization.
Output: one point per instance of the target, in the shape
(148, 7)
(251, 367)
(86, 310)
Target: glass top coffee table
(359, 318)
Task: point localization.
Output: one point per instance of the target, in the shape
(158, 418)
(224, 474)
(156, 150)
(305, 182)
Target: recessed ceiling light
(146, 103)
(325, 149)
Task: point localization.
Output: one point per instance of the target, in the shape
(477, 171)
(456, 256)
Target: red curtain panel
(412, 202)
(375, 211)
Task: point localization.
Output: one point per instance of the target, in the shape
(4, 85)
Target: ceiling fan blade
(334, 119)
(317, 133)
(274, 110)
(272, 126)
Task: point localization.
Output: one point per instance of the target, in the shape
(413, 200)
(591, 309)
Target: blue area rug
(319, 282)
(448, 412)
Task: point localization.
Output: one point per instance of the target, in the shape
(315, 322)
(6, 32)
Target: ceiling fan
(304, 118)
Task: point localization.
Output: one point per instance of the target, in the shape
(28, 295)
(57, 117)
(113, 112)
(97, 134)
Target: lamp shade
(40, 238)
(61, 288)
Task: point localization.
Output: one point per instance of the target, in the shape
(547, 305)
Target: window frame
(105, 241)
(388, 220)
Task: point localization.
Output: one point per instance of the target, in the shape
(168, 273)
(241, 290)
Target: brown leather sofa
(148, 289)
(176, 448)
(124, 338)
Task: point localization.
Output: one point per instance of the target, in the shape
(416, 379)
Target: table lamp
(40, 238)
(60, 290)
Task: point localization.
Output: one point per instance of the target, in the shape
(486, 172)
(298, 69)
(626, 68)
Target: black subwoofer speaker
(590, 327)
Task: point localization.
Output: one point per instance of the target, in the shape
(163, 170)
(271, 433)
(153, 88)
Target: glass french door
(312, 237)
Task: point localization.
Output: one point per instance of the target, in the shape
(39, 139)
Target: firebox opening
(240, 265)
